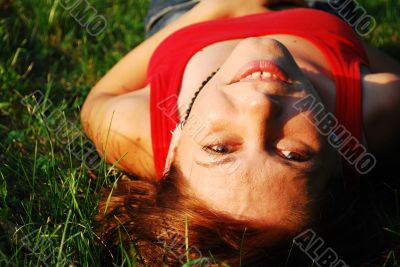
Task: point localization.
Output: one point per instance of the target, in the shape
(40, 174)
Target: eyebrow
(210, 165)
(309, 168)
(215, 163)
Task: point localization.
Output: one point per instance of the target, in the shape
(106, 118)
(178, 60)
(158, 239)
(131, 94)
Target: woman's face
(245, 149)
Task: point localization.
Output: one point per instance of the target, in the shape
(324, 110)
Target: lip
(268, 66)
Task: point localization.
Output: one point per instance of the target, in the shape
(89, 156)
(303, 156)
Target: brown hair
(153, 217)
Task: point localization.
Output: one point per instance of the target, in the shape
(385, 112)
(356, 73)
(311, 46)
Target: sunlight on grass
(50, 177)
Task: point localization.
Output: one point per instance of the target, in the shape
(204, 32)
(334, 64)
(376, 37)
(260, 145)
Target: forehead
(255, 175)
(251, 192)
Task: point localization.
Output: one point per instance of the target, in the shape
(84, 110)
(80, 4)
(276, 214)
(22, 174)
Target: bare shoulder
(381, 109)
(119, 126)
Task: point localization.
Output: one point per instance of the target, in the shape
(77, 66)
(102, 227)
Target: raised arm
(381, 100)
(381, 111)
(115, 114)
(129, 73)
(380, 62)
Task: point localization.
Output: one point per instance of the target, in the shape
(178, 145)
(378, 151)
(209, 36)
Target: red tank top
(336, 40)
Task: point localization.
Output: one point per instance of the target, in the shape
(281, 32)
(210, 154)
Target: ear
(172, 151)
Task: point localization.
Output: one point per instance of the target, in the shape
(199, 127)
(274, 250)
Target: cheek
(302, 126)
(295, 207)
(212, 102)
(281, 200)
(289, 197)
(320, 180)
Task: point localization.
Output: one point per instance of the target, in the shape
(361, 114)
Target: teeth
(260, 75)
(248, 77)
(266, 75)
(256, 75)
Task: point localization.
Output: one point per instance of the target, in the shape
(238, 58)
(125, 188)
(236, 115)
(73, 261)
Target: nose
(257, 108)
(256, 104)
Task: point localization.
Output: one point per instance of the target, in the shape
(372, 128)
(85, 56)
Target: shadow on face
(246, 150)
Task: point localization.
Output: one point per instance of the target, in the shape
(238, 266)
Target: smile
(260, 76)
(264, 70)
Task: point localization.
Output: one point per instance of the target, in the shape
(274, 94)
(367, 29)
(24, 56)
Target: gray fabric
(163, 12)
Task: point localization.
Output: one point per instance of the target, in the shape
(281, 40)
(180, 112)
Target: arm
(381, 62)
(115, 115)
(381, 101)
(129, 73)
(122, 79)
(116, 110)
(381, 110)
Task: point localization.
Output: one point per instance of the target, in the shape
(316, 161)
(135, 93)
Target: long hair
(165, 224)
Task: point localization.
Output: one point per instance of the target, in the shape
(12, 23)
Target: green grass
(48, 63)
(48, 199)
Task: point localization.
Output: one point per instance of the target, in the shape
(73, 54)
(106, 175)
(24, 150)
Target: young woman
(219, 113)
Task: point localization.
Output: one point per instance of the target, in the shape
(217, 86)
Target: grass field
(48, 63)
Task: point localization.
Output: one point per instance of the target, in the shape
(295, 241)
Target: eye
(294, 156)
(218, 149)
